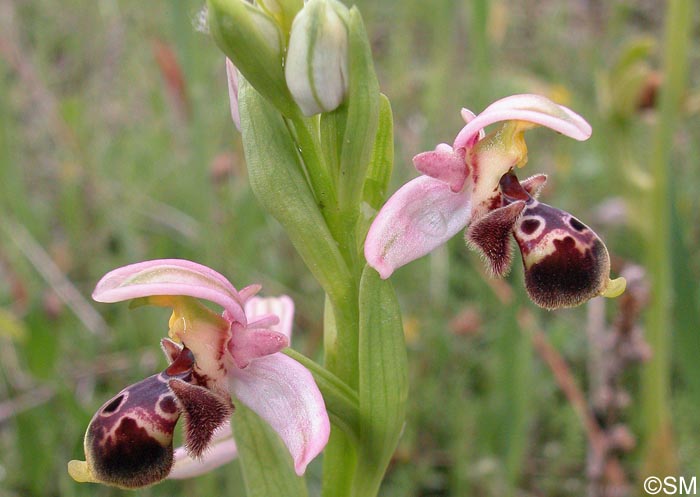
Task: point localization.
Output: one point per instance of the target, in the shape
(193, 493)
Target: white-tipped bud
(316, 69)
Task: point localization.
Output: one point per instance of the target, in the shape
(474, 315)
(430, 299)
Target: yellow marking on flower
(614, 288)
(518, 140)
(178, 325)
(80, 472)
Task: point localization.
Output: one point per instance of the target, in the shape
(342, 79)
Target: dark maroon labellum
(129, 442)
(566, 263)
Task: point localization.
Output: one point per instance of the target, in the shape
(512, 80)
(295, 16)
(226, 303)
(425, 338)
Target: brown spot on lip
(577, 225)
(114, 405)
(567, 277)
(495, 202)
(131, 458)
(529, 226)
(168, 405)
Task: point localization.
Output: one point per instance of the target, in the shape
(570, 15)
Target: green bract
(255, 44)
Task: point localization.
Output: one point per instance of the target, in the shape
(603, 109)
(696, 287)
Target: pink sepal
(420, 216)
(531, 108)
(170, 277)
(283, 393)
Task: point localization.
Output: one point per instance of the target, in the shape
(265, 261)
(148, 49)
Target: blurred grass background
(116, 146)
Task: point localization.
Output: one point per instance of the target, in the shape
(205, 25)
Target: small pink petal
(169, 277)
(283, 393)
(423, 214)
(221, 451)
(444, 164)
(232, 78)
(265, 321)
(531, 108)
(468, 116)
(258, 309)
(249, 291)
(247, 344)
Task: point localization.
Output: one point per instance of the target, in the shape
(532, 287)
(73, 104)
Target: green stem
(340, 333)
(656, 379)
(341, 401)
(341, 223)
(309, 142)
(341, 338)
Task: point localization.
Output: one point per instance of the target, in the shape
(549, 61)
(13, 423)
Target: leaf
(382, 162)
(276, 177)
(383, 381)
(267, 466)
(378, 173)
(362, 112)
(686, 311)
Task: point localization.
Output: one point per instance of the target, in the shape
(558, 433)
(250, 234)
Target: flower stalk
(324, 179)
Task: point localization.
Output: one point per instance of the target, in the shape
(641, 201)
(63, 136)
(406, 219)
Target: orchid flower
(223, 447)
(460, 188)
(213, 358)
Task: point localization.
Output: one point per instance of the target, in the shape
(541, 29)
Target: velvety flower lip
(565, 262)
(246, 348)
(221, 451)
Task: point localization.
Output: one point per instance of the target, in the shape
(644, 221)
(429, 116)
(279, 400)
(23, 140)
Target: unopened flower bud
(317, 59)
(283, 11)
(254, 43)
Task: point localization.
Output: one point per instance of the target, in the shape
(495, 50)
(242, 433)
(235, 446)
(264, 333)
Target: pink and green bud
(316, 68)
(255, 44)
